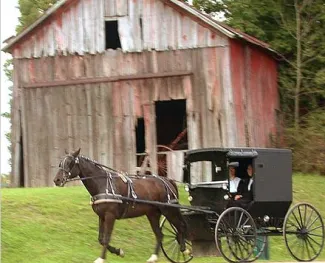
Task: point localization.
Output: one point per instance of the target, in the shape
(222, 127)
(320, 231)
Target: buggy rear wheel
(170, 245)
(304, 232)
(235, 235)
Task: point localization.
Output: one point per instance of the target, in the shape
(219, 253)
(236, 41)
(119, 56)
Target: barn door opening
(140, 141)
(21, 164)
(171, 128)
(21, 155)
(171, 124)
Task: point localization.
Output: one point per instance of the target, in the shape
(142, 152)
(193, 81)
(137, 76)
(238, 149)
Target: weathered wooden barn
(119, 77)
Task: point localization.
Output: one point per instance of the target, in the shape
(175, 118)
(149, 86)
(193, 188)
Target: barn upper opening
(112, 38)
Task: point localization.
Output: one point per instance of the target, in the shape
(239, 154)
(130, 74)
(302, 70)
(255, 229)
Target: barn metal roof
(226, 30)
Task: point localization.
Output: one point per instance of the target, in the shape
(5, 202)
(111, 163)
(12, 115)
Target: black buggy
(240, 233)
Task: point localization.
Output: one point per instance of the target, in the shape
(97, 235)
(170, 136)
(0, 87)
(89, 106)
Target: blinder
(67, 170)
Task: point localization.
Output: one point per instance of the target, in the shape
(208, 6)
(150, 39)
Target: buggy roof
(210, 154)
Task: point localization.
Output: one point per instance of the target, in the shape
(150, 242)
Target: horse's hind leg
(154, 222)
(174, 216)
(113, 250)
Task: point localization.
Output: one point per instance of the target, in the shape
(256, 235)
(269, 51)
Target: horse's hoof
(187, 252)
(152, 259)
(99, 260)
(121, 254)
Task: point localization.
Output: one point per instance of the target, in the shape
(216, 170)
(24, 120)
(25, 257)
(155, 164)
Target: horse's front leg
(105, 231)
(113, 250)
(154, 222)
(116, 251)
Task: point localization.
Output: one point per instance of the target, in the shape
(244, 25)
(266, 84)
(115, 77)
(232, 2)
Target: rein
(87, 178)
(109, 168)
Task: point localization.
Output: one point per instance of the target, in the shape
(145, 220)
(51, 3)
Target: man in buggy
(242, 196)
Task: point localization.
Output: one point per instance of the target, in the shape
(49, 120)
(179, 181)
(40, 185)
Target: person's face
(232, 171)
(250, 170)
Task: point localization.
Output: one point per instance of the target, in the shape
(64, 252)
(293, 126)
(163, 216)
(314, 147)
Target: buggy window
(241, 170)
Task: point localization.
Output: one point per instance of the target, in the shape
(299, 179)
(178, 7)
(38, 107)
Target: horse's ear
(76, 153)
(66, 152)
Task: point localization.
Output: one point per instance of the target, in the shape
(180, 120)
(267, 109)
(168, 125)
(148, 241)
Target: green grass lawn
(47, 225)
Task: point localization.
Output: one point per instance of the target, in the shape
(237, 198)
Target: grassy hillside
(50, 225)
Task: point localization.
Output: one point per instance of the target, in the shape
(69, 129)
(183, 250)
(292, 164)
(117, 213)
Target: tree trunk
(298, 70)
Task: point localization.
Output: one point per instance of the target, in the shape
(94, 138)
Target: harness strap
(110, 196)
(130, 186)
(168, 189)
(106, 197)
(109, 181)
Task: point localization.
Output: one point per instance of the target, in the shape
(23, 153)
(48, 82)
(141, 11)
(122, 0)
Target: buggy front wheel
(235, 235)
(303, 232)
(170, 245)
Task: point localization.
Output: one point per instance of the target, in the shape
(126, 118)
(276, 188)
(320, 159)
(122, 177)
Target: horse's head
(68, 168)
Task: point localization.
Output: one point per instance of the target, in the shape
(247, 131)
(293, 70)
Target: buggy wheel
(235, 235)
(304, 232)
(170, 245)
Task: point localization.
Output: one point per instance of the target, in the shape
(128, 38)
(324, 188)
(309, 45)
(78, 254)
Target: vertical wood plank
(29, 180)
(25, 135)
(110, 8)
(122, 7)
(110, 123)
(17, 129)
(150, 136)
(118, 126)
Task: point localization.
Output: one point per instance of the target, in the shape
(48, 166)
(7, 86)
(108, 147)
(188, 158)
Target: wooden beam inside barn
(106, 79)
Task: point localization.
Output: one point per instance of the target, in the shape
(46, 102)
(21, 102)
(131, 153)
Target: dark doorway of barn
(171, 124)
(21, 182)
(140, 136)
(21, 164)
(171, 130)
(140, 142)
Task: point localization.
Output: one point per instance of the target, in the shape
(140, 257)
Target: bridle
(75, 161)
(108, 175)
(66, 172)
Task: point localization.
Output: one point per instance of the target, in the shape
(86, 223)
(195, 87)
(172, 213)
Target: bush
(5, 181)
(308, 143)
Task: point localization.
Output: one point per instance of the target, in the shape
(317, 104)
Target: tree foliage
(31, 10)
(8, 70)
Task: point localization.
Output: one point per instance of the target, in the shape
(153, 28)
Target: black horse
(112, 193)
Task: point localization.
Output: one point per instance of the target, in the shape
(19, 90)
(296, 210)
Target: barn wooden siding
(70, 92)
(254, 83)
(79, 28)
(101, 117)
